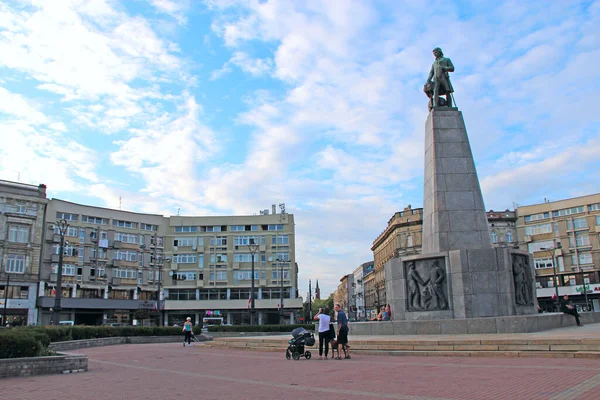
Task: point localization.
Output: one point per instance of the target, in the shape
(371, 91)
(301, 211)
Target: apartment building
(563, 237)
(22, 209)
(111, 263)
(344, 295)
(210, 268)
(402, 237)
(116, 263)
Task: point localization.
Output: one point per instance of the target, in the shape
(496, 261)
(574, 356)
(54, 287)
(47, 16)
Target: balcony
(54, 257)
(116, 263)
(117, 244)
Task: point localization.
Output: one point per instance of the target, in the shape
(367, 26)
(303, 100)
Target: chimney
(274, 209)
(42, 190)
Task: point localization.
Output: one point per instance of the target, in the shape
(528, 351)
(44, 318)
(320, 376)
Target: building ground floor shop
(231, 317)
(17, 303)
(577, 295)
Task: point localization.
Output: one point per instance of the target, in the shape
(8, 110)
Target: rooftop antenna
(178, 209)
(120, 202)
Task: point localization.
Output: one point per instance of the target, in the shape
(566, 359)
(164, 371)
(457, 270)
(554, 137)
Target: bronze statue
(438, 83)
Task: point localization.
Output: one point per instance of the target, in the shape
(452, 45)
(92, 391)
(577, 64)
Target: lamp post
(62, 228)
(553, 268)
(281, 317)
(252, 247)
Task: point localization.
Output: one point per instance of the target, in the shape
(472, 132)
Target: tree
(141, 315)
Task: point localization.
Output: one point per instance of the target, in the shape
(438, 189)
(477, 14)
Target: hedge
(34, 341)
(259, 328)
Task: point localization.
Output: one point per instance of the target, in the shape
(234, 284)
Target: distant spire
(317, 291)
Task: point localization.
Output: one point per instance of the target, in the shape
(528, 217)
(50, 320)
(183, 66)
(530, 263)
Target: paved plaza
(170, 371)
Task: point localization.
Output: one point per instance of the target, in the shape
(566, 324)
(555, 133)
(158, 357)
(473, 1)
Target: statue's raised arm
(438, 82)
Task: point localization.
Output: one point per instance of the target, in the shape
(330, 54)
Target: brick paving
(170, 371)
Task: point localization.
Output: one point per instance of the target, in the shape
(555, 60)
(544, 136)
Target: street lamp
(281, 318)
(553, 267)
(253, 247)
(62, 228)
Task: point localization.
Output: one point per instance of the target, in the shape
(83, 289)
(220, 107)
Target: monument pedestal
(459, 274)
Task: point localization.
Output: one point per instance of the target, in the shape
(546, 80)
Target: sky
(224, 107)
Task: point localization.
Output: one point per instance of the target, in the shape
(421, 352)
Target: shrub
(14, 344)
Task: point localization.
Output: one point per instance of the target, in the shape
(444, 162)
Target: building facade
(503, 228)
(111, 262)
(563, 237)
(401, 237)
(117, 263)
(22, 210)
(358, 298)
(344, 295)
(210, 268)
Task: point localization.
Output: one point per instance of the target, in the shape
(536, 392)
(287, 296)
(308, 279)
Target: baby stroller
(300, 338)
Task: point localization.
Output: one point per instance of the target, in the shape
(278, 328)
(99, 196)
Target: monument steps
(554, 348)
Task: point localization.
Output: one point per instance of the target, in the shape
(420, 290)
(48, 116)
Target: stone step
(482, 345)
(428, 353)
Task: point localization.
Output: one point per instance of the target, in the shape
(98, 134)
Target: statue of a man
(439, 78)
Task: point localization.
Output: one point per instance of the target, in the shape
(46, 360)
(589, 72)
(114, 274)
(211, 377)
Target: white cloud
(175, 8)
(252, 66)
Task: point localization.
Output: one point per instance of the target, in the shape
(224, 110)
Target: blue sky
(226, 107)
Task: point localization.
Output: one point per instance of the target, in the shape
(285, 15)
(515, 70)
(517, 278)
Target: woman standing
(324, 320)
(187, 331)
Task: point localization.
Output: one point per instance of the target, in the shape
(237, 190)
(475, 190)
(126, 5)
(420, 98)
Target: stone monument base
(476, 283)
(507, 324)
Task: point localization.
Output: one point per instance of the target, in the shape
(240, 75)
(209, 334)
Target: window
(148, 227)
(66, 216)
(68, 250)
(244, 275)
(126, 237)
(579, 223)
(538, 229)
(14, 292)
(214, 294)
(15, 263)
(277, 273)
(185, 276)
(555, 228)
(211, 228)
(101, 253)
(67, 270)
(221, 258)
(200, 260)
(597, 220)
(94, 220)
(568, 211)
(220, 276)
(240, 294)
(125, 255)
(509, 236)
(284, 239)
(18, 234)
(237, 228)
(186, 229)
(537, 217)
(245, 240)
(278, 227)
(409, 241)
(124, 224)
(541, 263)
(537, 246)
(594, 207)
(219, 241)
(184, 242)
(494, 237)
(182, 294)
(125, 273)
(80, 254)
(184, 258)
(584, 258)
(283, 256)
(244, 257)
(581, 239)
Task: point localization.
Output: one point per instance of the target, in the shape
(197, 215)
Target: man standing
(568, 308)
(439, 78)
(343, 329)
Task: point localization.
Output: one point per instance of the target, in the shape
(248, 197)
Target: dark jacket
(563, 306)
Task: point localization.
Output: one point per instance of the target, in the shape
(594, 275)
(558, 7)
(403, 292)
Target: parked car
(66, 323)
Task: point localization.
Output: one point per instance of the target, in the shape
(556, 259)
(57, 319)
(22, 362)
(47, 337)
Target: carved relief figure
(414, 291)
(437, 277)
(522, 279)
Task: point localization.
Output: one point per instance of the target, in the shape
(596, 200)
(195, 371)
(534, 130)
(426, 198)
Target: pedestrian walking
(187, 331)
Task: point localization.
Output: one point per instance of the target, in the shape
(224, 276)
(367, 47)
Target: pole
(309, 301)
(58, 298)
(159, 265)
(555, 277)
(585, 292)
(252, 247)
(5, 298)
(281, 320)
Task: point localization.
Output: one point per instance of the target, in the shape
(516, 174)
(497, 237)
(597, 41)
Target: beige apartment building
(118, 262)
(563, 237)
(22, 209)
(209, 272)
(402, 237)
